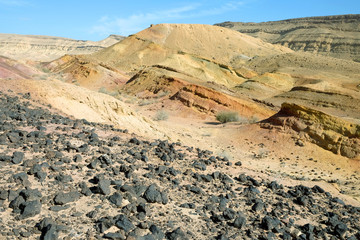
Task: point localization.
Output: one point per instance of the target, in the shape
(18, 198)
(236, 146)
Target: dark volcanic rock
(240, 221)
(103, 187)
(269, 223)
(49, 232)
(17, 157)
(124, 223)
(159, 184)
(116, 199)
(30, 209)
(340, 229)
(114, 236)
(64, 198)
(16, 203)
(177, 234)
(152, 195)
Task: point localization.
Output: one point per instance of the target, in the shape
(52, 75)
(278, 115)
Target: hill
(336, 36)
(47, 48)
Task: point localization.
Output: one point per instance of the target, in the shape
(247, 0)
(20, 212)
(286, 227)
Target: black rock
(135, 141)
(30, 209)
(116, 199)
(338, 200)
(105, 159)
(274, 186)
(188, 205)
(49, 232)
(240, 221)
(92, 214)
(258, 207)
(114, 236)
(4, 158)
(124, 223)
(104, 223)
(17, 157)
(103, 187)
(340, 229)
(43, 223)
(152, 195)
(64, 198)
(308, 228)
(85, 189)
(164, 198)
(4, 194)
(77, 158)
(31, 194)
(21, 177)
(318, 189)
(229, 214)
(269, 223)
(13, 194)
(64, 178)
(251, 190)
(143, 208)
(238, 163)
(222, 237)
(15, 204)
(303, 200)
(242, 178)
(41, 175)
(157, 232)
(177, 234)
(194, 189)
(253, 181)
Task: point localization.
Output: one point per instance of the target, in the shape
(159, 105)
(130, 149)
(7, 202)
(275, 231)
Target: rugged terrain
(76, 179)
(336, 36)
(46, 48)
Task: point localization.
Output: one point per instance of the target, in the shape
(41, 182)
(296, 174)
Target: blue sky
(95, 20)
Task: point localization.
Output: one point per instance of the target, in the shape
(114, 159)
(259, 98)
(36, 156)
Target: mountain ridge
(48, 48)
(336, 36)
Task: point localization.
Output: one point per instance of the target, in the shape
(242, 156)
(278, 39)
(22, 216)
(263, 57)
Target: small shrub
(225, 117)
(162, 94)
(102, 90)
(105, 91)
(161, 115)
(225, 155)
(145, 102)
(45, 70)
(254, 119)
(262, 153)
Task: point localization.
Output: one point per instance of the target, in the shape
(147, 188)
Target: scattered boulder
(30, 209)
(64, 198)
(17, 157)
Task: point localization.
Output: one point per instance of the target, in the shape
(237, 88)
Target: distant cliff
(336, 36)
(46, 48)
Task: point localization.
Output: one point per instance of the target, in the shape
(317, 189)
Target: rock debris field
(71, 179)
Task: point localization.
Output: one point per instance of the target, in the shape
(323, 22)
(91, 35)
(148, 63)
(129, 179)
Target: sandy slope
(158, 42)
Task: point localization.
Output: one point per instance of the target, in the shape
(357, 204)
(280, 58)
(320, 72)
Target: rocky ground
(72, 179)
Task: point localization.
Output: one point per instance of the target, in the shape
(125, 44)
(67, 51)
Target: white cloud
(134, 23)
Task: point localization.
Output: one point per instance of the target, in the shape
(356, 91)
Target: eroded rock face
(47, 48)
(329, 132)
(336, 36)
